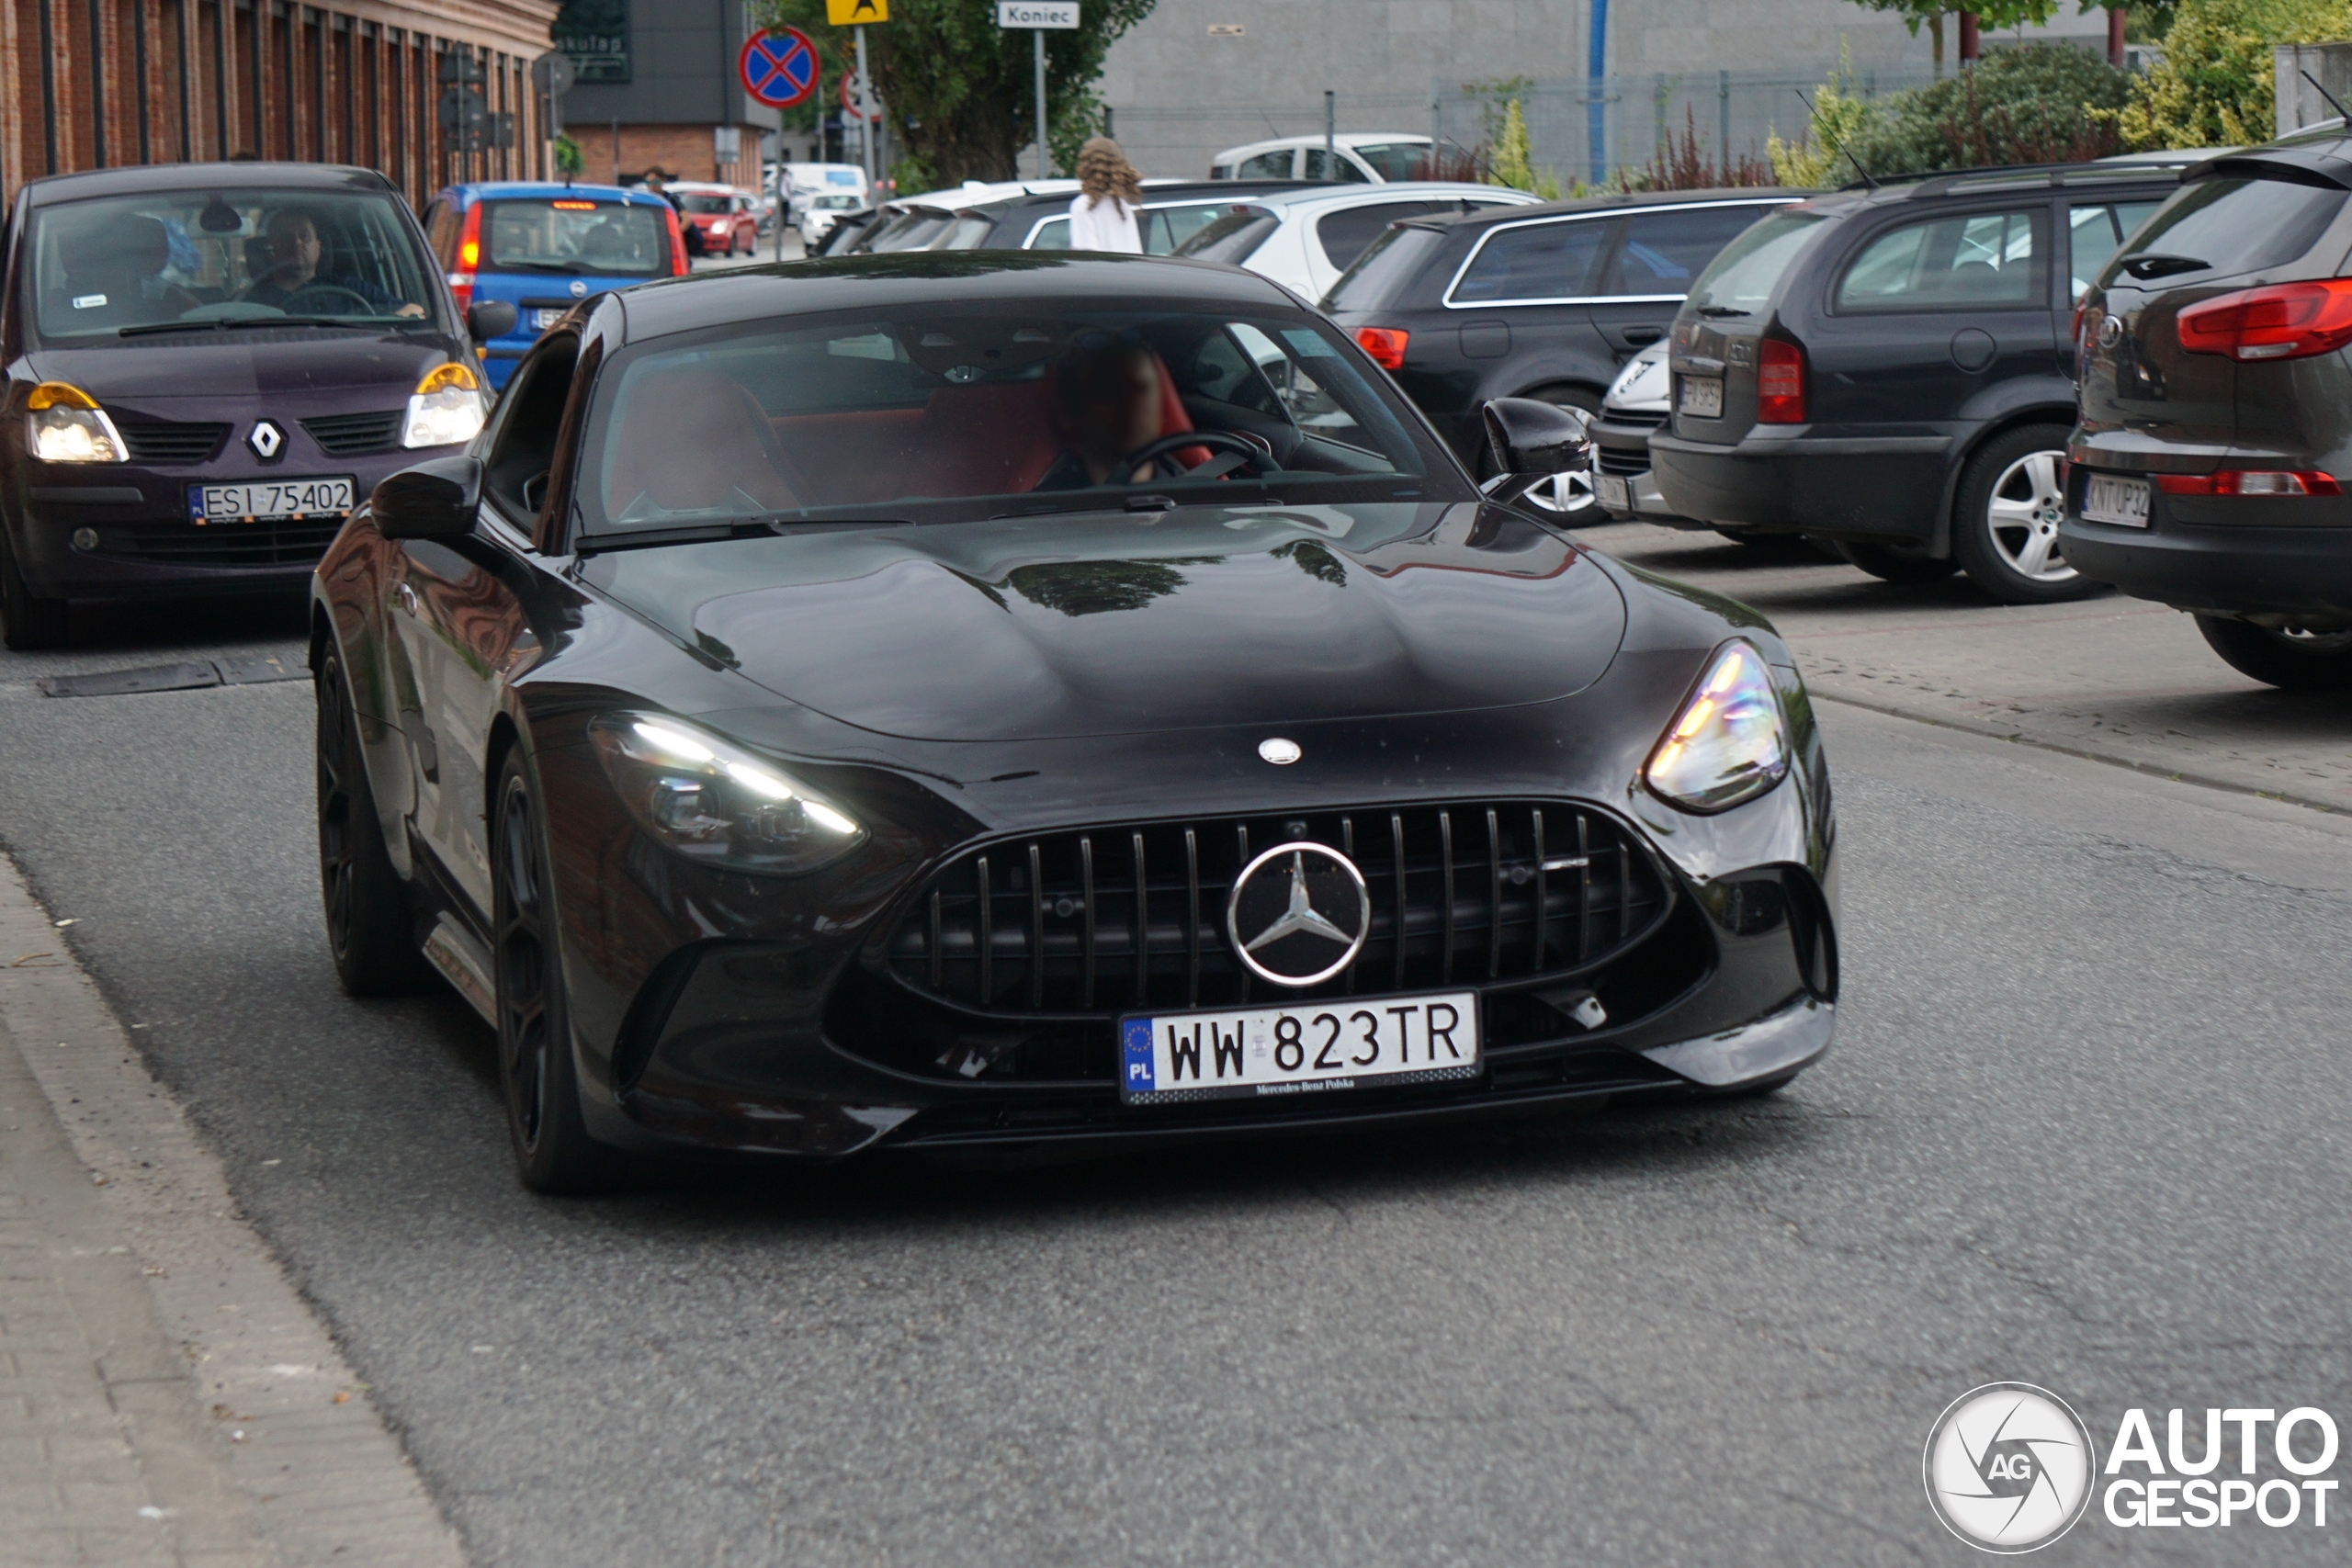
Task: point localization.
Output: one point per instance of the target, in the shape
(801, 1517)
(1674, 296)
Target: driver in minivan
(291, 236)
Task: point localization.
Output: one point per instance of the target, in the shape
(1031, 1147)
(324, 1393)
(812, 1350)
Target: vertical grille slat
(1035, 927)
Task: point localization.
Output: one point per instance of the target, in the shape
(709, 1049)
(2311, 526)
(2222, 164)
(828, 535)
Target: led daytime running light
(715, 802)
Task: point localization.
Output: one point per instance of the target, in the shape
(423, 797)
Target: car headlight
(1729, 743)
(713, 802)
(66, 425)
(446, 409)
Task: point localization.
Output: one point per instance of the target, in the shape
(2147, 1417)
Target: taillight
(677, 243)
(461, 282)
(2251, 481)
(1780, 382)
(1386, 344)
(2279, 321)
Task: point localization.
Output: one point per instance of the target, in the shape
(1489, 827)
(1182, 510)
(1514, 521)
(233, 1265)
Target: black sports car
(932, 700)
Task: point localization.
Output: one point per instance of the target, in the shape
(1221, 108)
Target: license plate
(2106, 499)
(1315, 1048)
(1612, 491)
(1702, 396)
(542, 319)
(276, 499)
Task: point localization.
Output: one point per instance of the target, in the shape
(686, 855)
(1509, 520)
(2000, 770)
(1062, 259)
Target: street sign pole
(1038, 15)
(864, 118)
(1039, 34)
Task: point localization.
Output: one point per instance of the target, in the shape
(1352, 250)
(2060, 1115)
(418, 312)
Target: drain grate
(187, 675)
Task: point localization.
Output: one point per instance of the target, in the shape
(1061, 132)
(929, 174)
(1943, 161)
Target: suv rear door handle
(1642, 337)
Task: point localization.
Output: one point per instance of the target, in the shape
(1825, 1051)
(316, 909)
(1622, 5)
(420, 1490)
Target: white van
(1376, 156)
(802, 181)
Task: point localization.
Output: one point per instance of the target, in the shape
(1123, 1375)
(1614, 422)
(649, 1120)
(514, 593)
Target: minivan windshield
(1741, 278)
(958, 411)
(213, 260)
(2231, 225)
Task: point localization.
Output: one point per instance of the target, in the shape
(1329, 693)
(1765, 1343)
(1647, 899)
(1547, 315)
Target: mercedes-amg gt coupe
(932, 701)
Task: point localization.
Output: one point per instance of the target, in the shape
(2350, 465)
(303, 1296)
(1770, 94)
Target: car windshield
(955, 413)
(1395, 160)
(701, 204)
(2232, 225)
(1387, 266)
(214, 260)
(571, 235)
(1741, 278)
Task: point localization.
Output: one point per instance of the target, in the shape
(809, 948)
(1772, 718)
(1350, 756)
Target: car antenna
(2332, 103)
(1842, 147)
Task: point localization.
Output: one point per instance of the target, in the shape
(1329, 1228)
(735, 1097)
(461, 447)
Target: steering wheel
(1254, 457)
(367, 307)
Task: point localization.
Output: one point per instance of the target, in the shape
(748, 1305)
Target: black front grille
(1643, 419)
(1089, 924)
(1623, 464)
(352, 434)
(158, 442)
(223, 544)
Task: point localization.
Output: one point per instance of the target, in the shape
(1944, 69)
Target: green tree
(1513, 157)
(958, 87)
(1838, 116)
(2214, 85)
(2040, 103)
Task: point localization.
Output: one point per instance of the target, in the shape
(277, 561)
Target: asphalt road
(2084, 1126)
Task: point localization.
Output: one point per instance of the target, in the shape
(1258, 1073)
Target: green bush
(2039, 103)
(2214, 85)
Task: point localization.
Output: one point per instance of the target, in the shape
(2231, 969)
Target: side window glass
(1662, 252)
(530, 415)
(2095, 233)
(1222, 373)
(1052, 235)
(1310, 407)
(1541, 261)
(1967, 261)
(1344, 234)
(1333, 166)
(1266, 166)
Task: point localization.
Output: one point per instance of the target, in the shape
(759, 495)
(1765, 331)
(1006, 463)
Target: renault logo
(1299, 914)
(265, 439)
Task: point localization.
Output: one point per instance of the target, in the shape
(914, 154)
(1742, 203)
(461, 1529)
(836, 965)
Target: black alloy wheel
(2004, 519)
(1895, 563)
(26, 624)
(2290, 658)
(370, 922)
(552, 1148)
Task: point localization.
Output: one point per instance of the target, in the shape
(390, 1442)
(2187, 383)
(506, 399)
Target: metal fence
(1578, 128)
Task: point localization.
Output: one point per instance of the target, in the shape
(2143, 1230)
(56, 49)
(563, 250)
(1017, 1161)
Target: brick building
(102, 84)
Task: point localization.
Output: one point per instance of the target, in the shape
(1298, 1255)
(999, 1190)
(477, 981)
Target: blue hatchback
(543, 248)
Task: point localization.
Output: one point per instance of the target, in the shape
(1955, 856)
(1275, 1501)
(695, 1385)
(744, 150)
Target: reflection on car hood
(1117, 624)
(263, 361)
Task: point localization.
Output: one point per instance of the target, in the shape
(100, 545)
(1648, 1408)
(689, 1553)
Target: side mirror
(488, 319)
(431, 501)
(1531, 441)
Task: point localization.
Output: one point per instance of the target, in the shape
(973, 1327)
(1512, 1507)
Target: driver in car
(292, 236)
(1108, 403)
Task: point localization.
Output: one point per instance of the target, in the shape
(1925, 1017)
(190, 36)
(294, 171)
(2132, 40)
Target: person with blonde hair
(1109, 190)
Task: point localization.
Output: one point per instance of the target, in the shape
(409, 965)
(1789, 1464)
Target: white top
(1105, 225)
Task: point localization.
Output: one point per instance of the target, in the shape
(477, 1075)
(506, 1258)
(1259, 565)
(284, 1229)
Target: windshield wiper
(1715, 312)
(2156, 264)
(222, 324)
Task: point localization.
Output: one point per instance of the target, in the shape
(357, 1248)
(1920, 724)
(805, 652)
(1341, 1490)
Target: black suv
(1541, 301)
(2215, 445)
(1888, 367)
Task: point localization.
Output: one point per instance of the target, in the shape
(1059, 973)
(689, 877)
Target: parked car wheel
(535, 1066)
(1895, 563)
(2292, 658)
(369, 921)
(26, 623)
(1569, 496)
(2005, 523)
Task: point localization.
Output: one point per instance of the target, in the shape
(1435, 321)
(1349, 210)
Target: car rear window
(2233, 225)
(1662, 252)
(1166, 231)
(1534, 262)
(1344, 234)
(1233, 238)
(1741, 278)
(1381, 273)
(606, 238)
(1965, 261)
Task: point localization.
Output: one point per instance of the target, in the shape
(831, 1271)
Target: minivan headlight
(1729, 743)
(714, 802)
(446, 409)
(65, 425)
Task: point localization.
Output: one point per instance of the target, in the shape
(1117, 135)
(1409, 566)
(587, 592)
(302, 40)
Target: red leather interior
(689, 439)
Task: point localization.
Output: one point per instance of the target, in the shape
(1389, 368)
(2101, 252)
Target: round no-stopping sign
(779, 68)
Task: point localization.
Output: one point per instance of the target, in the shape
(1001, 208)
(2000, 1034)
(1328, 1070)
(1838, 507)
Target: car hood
(1100, 623)
(256, 363)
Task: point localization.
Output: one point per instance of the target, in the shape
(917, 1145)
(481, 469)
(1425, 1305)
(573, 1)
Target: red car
(729, 218)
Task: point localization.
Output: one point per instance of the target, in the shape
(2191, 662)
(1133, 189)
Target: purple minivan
(210, 366)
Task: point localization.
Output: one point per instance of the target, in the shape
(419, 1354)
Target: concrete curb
(181, 1371)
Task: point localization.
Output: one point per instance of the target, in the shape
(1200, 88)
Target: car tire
(2004, 519)
(1895, 563)
(1569, 497)
(27, 623)
(536, 1074)
(2293, 660)
(371, 920)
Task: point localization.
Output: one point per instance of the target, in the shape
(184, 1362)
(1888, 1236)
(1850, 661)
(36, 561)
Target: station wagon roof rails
(2018, 177)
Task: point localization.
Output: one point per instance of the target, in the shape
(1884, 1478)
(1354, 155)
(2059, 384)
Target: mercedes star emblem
(265, 439)
(1308, 912)
(1282, 753)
